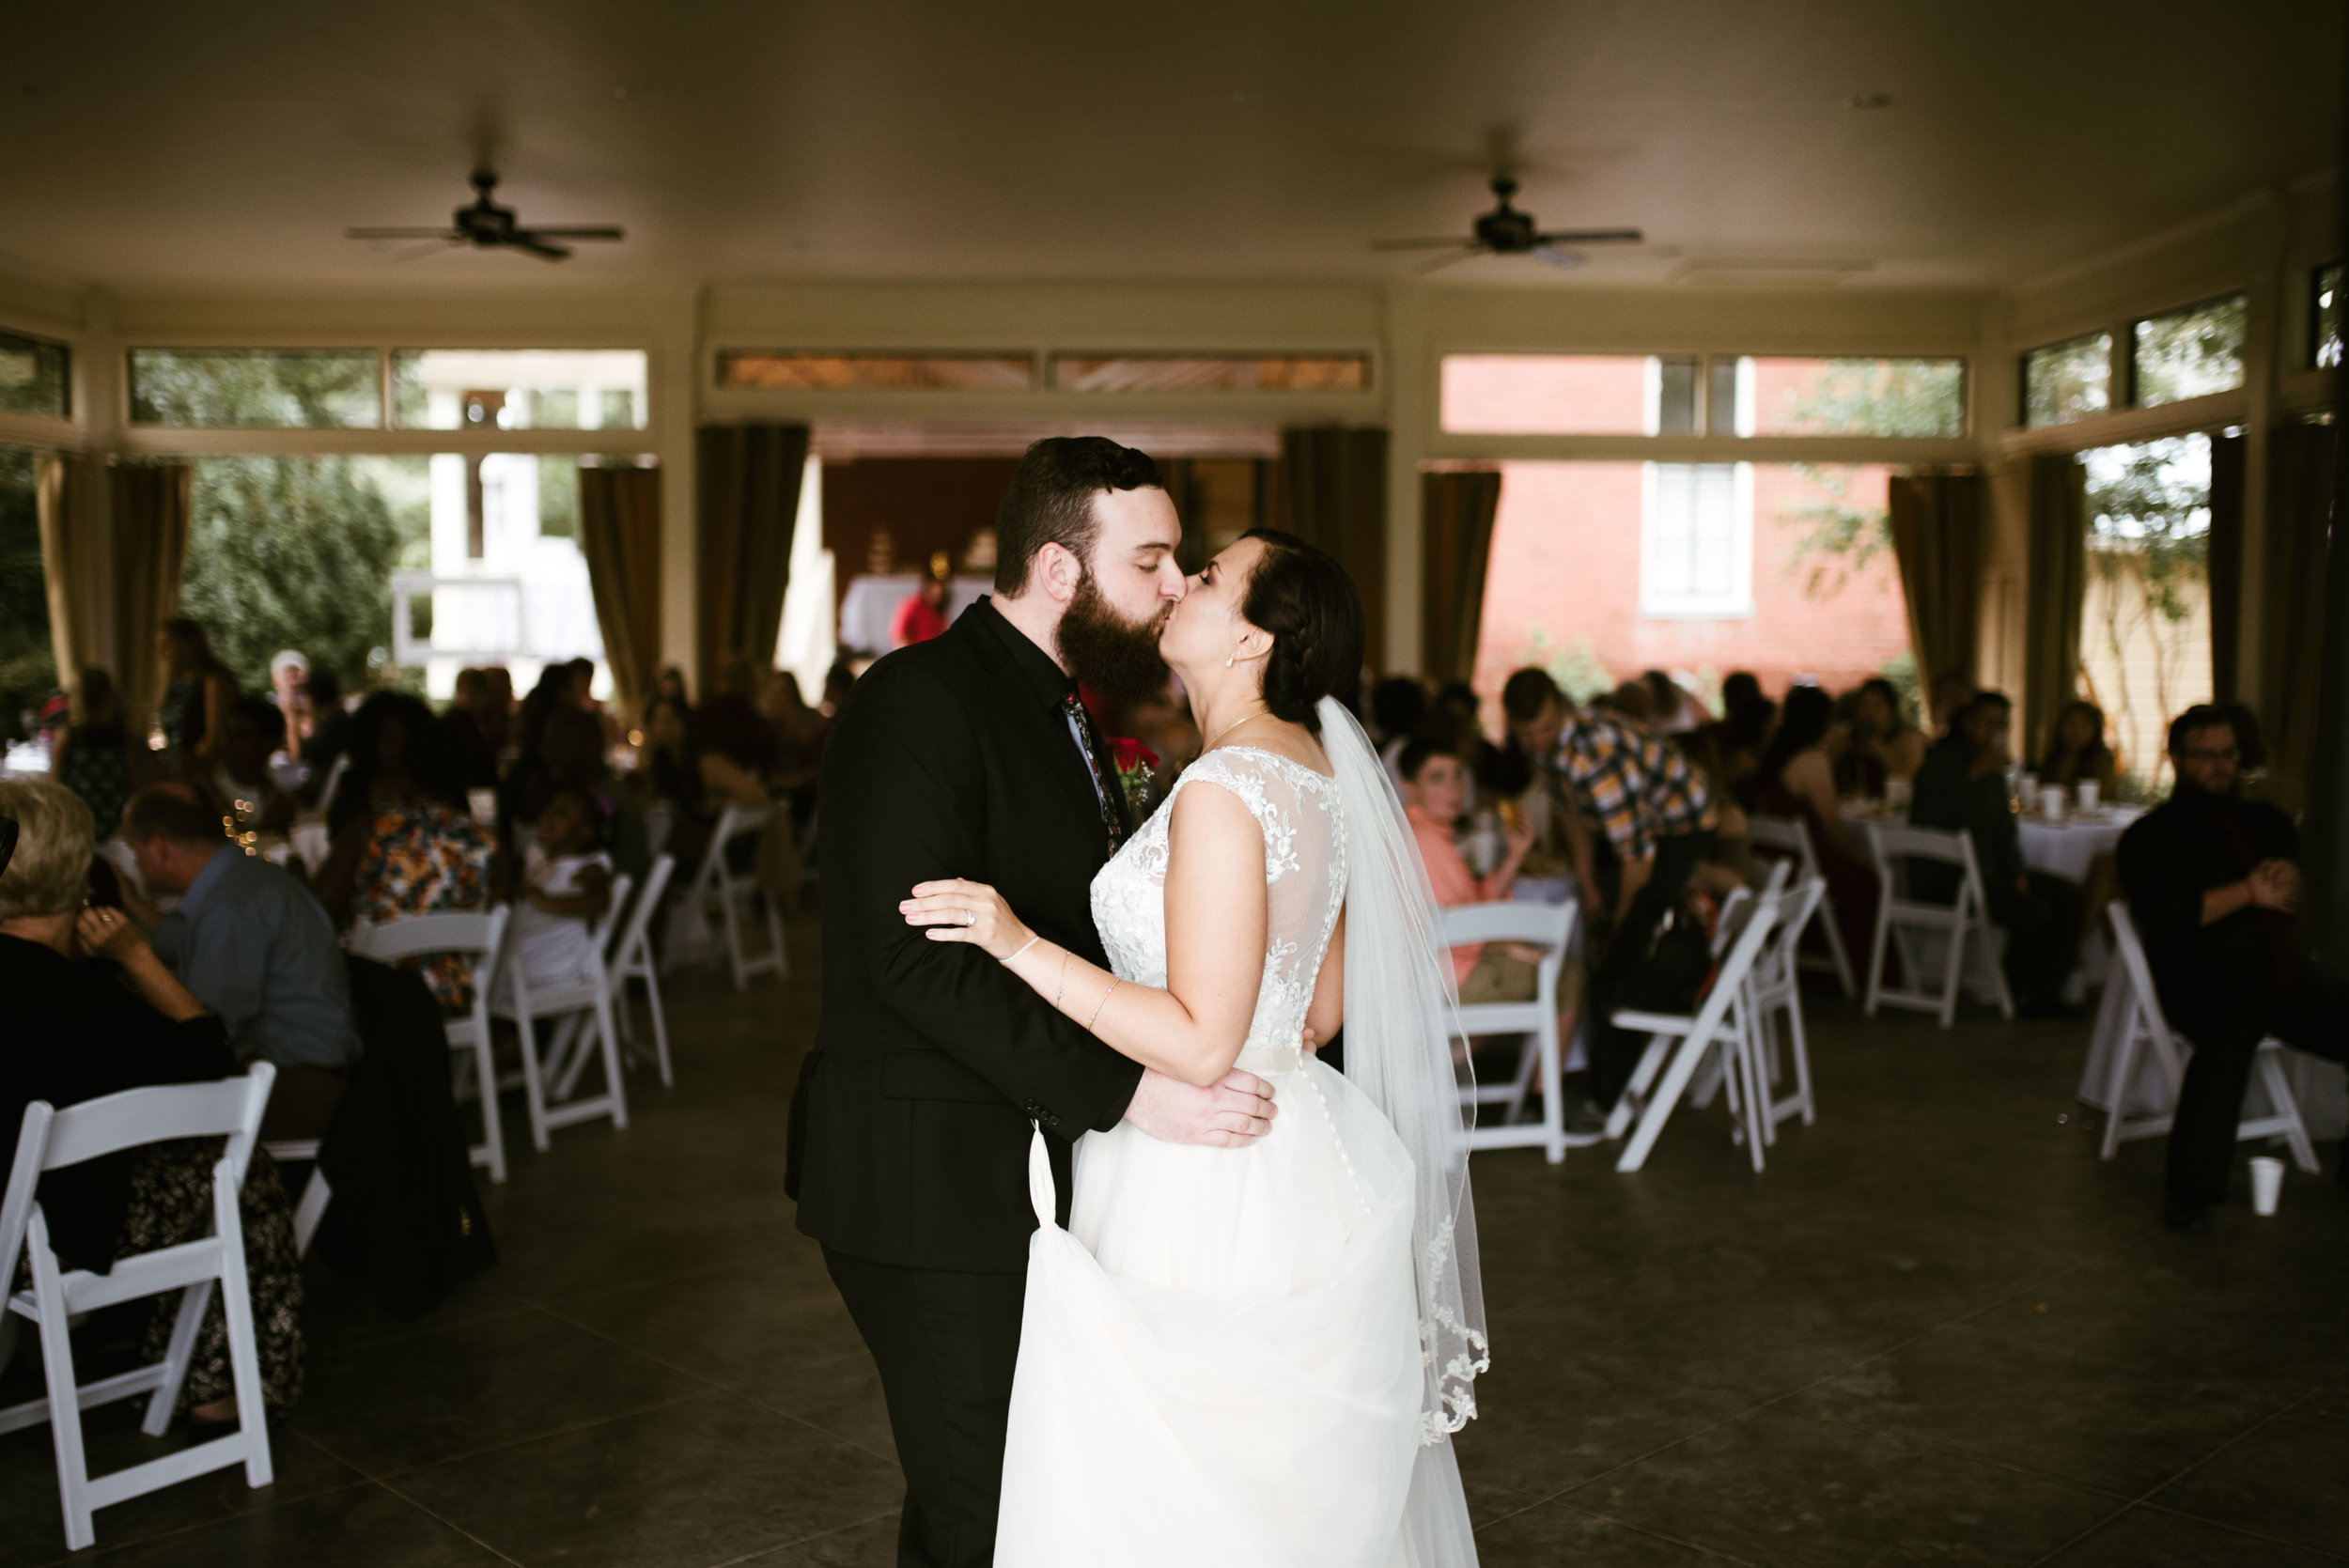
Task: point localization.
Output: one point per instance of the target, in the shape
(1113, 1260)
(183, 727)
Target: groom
(969, 755)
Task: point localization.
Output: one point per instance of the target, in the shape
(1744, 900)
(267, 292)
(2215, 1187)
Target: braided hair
(1310, 607)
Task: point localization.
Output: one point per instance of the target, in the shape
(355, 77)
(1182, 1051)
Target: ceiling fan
(488, 226)
(1506, 231)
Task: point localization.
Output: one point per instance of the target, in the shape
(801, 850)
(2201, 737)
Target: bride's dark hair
(1310, 606)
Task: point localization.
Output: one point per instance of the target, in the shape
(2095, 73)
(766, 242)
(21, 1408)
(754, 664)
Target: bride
(1252, 1356)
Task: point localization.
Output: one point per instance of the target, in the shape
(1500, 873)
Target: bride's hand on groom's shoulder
(956, 911)
(1230, 1113)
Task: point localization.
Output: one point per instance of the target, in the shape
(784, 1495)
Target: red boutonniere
(1135, 763)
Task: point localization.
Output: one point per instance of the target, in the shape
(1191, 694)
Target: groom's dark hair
(1049, 500)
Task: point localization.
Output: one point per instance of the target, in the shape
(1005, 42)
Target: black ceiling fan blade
(1440, 263)
(528, 241)
(448, 234)
(1591, 237)
(1418, 244)
(603, 231)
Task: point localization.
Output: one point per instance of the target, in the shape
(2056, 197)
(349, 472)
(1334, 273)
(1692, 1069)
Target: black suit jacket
(910, 1129)
(2172, 855)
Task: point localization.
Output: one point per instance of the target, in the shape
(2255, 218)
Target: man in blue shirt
(254, 946)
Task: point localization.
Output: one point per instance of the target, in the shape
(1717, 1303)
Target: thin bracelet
(1062, 990)
(1103, 1003)
(1024, 946)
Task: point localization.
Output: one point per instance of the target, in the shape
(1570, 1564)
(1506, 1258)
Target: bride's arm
(1216, 912)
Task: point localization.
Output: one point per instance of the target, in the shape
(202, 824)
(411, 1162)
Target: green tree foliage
(1873, 398)
(2147, 516)
(295, 552)
(245, 389)
(28, 673)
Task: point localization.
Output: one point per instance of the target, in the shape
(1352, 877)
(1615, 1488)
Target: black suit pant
(946, 1344)
(1616, 1053)
(2044, 923)
(2311, 1015)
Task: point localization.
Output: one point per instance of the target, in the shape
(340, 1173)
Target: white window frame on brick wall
(1671, 528)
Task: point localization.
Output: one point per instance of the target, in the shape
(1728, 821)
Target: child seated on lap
(567, 885)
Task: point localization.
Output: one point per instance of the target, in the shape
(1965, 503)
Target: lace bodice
(1304, 872)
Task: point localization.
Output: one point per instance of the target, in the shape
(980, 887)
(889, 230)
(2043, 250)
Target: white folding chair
(1775, 983)
(630, 958)
(334, 782)
(570, 1007)
(734, 894)
(1960, 926)
(1549, 926)
(1791, 836)
(316, 1193)
(1722, 1023)
(52, 1138)
(2144, 1028)
(481, 936)
(569, 1056)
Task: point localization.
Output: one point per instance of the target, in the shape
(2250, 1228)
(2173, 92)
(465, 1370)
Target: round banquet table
(2067, 849)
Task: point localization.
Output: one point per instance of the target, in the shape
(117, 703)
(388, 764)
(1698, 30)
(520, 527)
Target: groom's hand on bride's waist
(1230, 1114)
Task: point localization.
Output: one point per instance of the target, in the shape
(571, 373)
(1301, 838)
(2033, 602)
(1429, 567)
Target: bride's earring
(1228, 658)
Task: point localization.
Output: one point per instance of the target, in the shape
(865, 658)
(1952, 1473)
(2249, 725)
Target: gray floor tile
(1782, 1488)
(870, 1545)
(420, 1400)
(359, 1526)
(2083, 1421)
(2289, 1479)
(691, 1484)
(743, 1322)
(2150, 1538)
(1563, 1413)
(841, 1396)
(1556, 1533)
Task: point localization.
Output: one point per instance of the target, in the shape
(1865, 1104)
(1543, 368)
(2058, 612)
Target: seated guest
(1951, 690)
(672, 777)
(1884, 745)
(330, 734)
(565, 885)
(2076, 752)
(240, 781)
(77, 1031)
(1656, 812)
(1738, 737)
(94, 758)
(2211, 880)
(669, 687)
(289, 694)
(1398, 706)
(570, 756)
(256, 950)
(468, 739)
(1798, 781)
(1962, 787)
(404, 843)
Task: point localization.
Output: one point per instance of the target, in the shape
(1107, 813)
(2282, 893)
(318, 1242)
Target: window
(832, 372)
(1913, 397)
(288, 389)
(1696, 540)
(518, 389)
(1562, 394)
(2067, 380)
(2324, 317)
(1211, 372)
(33, 377)
(28, 670)
(2145, 621)
(2187, 353)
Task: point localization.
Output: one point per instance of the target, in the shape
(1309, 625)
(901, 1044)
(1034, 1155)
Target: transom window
(1686, 394)
(1696, 540)
(33, 377)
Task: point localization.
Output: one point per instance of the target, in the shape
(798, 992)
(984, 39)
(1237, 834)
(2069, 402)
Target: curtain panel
(1935, 524)
(2224, 564)
(1335, 479)
(2301, 463)
(1456, 510)
(2056, 595)
(748, 479)
(73, 570)
(619, 532)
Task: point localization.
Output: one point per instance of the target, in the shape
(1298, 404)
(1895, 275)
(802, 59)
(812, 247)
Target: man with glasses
(2211, 880)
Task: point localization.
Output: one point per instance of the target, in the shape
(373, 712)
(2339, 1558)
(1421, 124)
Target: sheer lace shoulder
(1304, 856)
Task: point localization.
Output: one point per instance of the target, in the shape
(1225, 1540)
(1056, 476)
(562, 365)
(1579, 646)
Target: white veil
(1401, 1023)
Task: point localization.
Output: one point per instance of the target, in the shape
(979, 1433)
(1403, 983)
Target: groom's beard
(1116, 657)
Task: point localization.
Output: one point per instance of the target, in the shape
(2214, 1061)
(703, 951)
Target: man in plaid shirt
(1657, 811)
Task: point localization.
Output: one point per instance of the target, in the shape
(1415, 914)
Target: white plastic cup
(2090, 793)
(1896, 796)
(2268, 1183)
(483, 804)
(2051, 803)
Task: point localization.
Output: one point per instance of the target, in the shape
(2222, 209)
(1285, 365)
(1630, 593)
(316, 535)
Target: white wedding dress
(1220, 1361)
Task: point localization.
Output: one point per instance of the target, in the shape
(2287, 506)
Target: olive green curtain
(73, 570)
(748, 476)
(1456, 511)
(2301, 461)
(2223, 563)
(2056, 595)
(1936, 523)
(1336, 483)
(111, 550)
(619, 532)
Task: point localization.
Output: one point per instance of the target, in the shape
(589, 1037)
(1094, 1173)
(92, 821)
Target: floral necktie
(1081, 725)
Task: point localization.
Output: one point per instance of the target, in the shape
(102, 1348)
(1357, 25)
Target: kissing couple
(1148, 1282)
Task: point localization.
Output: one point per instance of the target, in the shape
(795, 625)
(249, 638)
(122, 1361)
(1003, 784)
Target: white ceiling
(231, 143)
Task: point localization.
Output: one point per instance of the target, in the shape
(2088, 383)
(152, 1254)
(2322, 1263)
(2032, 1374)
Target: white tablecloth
(871, 603)
(2066, 849)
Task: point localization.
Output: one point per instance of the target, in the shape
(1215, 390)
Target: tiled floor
(1937, 1330)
